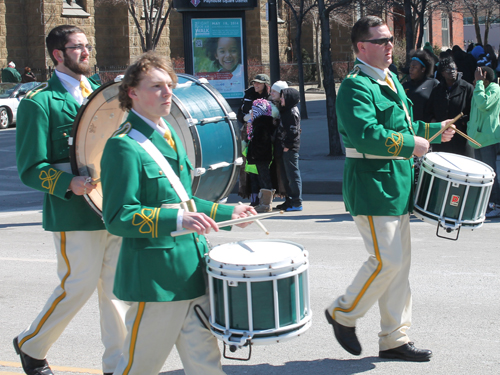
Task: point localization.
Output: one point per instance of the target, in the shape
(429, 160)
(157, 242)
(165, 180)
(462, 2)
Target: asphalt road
(455, 284)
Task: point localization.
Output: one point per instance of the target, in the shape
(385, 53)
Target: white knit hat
(279, 85)
(12, 65)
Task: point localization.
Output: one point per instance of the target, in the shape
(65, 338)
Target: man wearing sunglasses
(86, 252)
(374, 118)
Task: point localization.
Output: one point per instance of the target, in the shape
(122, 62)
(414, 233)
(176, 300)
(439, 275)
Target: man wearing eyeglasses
(86, 252)
(374, 118)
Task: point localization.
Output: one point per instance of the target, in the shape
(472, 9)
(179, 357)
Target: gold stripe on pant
(383, 278)
(86, 261)
(153, 330)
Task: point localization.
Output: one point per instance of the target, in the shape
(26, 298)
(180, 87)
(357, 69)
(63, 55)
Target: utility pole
(274, 58)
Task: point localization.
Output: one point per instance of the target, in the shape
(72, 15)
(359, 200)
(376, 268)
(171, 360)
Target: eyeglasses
(80, 47)
(449, 70)
(381, 41)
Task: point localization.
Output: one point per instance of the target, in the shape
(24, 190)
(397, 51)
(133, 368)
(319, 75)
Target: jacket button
(160, 172)
(197, 239)
(182, 167)
(65, 134)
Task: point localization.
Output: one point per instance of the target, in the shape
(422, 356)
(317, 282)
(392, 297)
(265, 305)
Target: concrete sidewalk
(321, 174)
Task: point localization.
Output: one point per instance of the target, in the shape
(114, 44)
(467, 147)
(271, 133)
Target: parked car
(10, 97)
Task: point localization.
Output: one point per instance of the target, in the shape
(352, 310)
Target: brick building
(111, 29)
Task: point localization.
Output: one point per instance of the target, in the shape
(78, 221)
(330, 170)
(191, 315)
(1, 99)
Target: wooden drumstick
(468, 138)
(96, 181)
(228, 223)
(259, 223)
(446, 127)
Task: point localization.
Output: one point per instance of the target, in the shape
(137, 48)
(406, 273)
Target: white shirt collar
(381, 73)
(72, 85)
(160, 128)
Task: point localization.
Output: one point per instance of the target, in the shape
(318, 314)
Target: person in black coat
(287, 149)
(260, 89)
(418, 89)
(421, 83)
(466, 63)
(261, 131)
(452, 96)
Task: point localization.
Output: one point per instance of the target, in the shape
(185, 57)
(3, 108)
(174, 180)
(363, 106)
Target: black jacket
(445, 104)
(419, 93)
(289, 127)
(247, 101)
(260, 148)
(466, 63)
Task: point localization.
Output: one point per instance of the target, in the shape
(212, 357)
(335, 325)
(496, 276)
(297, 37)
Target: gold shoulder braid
(354, 72)
(122, 130)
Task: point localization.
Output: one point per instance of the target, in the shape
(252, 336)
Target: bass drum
(199, 114)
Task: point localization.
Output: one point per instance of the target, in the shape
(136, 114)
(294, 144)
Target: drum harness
(186, 204)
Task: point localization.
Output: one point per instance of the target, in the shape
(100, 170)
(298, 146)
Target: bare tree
(325, 10)
(481, 7)
(155, 13)
(300, 9)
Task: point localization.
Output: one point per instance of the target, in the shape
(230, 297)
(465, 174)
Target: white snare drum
(259, 291)
(453, 191)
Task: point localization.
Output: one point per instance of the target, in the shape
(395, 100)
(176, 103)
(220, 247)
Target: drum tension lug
(233, 348)
(448, 230)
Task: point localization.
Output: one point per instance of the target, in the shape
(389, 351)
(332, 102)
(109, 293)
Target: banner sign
(218, 54)
(194, 5)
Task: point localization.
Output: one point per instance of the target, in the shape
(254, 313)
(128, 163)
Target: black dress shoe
(32, 366)
(407, 352)
(107, 373)
(346, 336)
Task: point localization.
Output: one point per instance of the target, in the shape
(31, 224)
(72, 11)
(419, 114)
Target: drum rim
(226, 109)
(432, 218)
(433, 167)
(279, 267)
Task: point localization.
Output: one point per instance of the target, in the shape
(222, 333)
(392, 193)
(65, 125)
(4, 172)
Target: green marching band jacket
(44, 120)
(153, 266)
(376, 121)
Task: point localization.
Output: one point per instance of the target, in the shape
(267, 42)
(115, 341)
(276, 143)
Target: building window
(425, 37)
(73, 8)
(445, 29)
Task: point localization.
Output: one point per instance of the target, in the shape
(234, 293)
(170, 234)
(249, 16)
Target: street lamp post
(274, 58)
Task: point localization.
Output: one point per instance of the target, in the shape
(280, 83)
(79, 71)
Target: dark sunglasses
(381, 41)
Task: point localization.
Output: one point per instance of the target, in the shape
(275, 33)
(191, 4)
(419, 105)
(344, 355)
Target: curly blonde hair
(135, 73)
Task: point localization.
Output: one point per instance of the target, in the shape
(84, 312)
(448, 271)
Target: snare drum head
(456, 166)
(257, 255)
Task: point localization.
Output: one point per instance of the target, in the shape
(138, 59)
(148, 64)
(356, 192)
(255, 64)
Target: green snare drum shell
(262, 304)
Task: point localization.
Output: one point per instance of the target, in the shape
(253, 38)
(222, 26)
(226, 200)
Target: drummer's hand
(80, 186)
(242, 211)
(421, 146)
(199, 222)
(448, 133)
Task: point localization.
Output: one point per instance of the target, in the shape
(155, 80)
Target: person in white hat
(10, 74)
(275, 96)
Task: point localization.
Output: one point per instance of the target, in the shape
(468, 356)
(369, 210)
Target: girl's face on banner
(228, 54)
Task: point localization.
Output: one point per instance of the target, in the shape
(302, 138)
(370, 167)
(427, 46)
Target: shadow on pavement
(323, 366)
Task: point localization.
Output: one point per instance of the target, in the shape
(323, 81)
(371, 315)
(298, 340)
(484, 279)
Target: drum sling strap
(186, 204)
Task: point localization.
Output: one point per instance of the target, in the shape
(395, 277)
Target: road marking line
(57, 368)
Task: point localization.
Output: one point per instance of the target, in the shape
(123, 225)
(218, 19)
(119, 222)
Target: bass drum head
(94, 125)
(200, 116)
